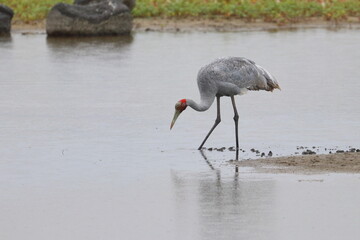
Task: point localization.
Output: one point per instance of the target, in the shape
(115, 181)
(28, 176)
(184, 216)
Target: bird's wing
(247, 74)
(233, 74)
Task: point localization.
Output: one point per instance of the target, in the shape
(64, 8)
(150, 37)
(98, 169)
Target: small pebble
(221, 149)
(308, 152)
(270, 153)
(231, 148)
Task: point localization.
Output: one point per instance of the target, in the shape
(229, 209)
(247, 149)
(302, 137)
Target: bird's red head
(179, 107)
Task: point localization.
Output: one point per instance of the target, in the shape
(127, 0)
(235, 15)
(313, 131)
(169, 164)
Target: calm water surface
(86, 151)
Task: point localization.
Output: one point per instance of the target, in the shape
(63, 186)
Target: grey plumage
(226, 77)
(234, 75)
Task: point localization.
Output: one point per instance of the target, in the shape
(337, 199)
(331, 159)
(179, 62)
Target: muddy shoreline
(348, 162)
(233, 25)
(207, 25)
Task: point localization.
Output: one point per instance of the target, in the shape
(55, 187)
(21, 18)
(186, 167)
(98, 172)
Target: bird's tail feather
(272, 84)
(270, 80)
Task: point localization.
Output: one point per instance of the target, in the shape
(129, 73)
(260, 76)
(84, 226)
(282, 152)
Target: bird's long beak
(176, 115)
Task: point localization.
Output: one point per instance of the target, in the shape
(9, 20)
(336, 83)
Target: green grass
(248, 10)
(30, 10)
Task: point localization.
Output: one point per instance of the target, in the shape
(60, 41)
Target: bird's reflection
(218, 174)
(212, 167)
(237, 159)
(4, 38)
(206, 160)
(225, 205)
(88, 43)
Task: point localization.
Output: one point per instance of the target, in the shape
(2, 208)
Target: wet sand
(209, 25)
(38, 25)
(348, 162)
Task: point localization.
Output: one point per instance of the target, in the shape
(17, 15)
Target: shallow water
(86, 151)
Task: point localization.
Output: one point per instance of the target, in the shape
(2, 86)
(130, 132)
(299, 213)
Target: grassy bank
(248, 10)
(30, 10)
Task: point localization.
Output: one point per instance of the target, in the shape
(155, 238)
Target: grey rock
(95, 18)
(6, 14)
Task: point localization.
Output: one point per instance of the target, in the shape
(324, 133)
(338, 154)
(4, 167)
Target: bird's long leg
(236, 119)
(217, 121)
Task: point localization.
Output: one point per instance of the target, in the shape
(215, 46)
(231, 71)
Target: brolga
(229, 76)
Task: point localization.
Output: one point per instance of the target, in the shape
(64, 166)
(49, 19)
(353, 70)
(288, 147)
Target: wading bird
(226, 77)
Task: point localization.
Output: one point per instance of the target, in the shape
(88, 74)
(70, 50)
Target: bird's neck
(204, 104)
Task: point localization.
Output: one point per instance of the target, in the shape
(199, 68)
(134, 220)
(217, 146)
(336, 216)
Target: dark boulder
(6, 14)
(89, 18)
